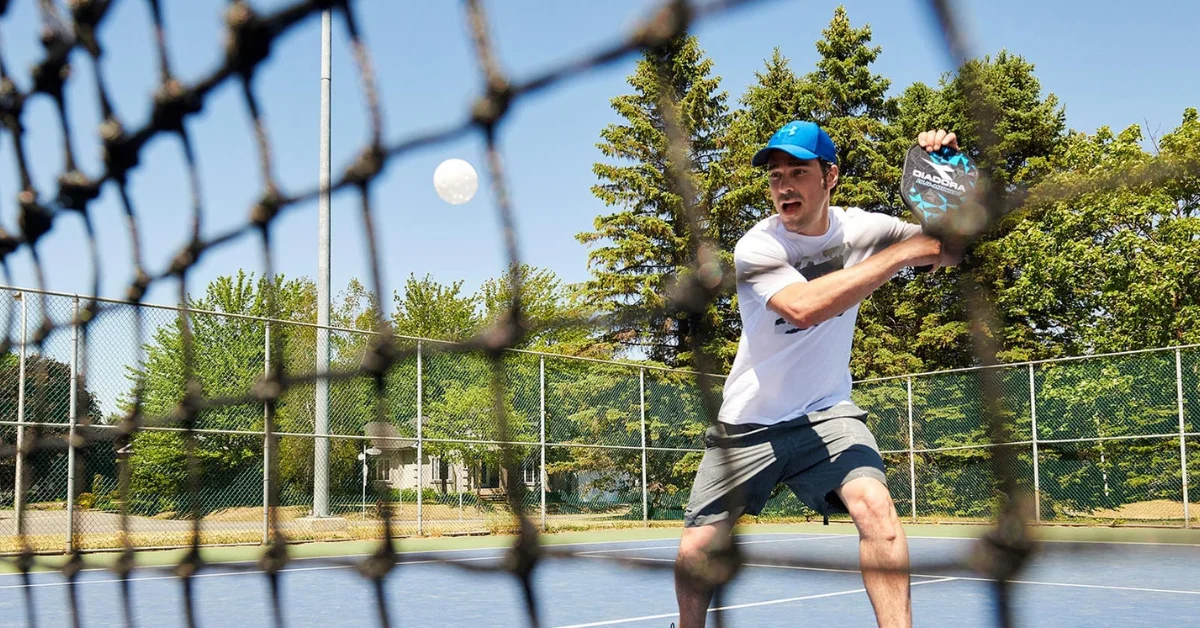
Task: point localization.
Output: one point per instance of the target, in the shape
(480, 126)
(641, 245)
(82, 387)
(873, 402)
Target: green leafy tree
(226, 359)
(647, 245)
(592, 404)
(766, 105)
(1111, 269)
(1103, 268)
(353, 402)
(919, 324)
(466, 411)
(554, 313)
(47, 390)
(997, 99)
(849, 100)
(457, 397)
(1111, 397)
(47, 400)
(429, 309)
(772, 101)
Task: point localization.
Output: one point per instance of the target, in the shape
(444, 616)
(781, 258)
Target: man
(787, 416)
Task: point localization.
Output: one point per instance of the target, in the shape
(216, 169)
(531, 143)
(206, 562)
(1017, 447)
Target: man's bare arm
(808, 303)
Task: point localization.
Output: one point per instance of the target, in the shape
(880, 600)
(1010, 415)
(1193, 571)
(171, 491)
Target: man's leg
(883, 550)
(695, 548)
(735, 477)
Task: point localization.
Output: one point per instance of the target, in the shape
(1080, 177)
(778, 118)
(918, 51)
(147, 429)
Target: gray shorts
(812, 458)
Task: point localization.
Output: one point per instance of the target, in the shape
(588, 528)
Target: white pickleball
(455, 181)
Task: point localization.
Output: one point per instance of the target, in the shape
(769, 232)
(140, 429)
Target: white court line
(592, 554)
(1043, 583)
(974, 538)
(827, 569)
(738, 606)
(809, 535)
(1089, 586)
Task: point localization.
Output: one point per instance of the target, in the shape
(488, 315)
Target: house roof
(387, 437)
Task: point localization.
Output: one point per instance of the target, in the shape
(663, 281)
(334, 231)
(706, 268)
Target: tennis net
(71, 34)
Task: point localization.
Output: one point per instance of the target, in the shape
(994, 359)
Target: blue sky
(1110, 63)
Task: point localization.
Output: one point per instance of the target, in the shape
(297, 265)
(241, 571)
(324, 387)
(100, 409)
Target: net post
(266, 531)
(73, 418)
(912, 455)
(321, 411)
(542, 428)
(642, 404)
(1183, 469)
(1037, 483)
(19, 472)
(420, 444)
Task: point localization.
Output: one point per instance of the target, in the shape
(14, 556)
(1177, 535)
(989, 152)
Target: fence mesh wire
(1189, 451)
(619, 445)
(1107, 441)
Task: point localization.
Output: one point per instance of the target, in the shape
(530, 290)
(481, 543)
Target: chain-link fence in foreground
(1103, 440)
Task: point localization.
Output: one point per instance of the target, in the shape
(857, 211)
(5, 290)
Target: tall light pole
(321, 418)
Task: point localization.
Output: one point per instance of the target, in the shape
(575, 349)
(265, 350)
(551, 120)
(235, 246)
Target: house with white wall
(396, 466)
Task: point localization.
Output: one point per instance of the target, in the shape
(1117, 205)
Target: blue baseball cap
(802, 140)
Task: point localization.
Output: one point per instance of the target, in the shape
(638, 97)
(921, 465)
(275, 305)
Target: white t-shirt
(781, 372)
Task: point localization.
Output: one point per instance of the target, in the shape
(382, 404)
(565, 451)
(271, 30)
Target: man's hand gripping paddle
(940, 189)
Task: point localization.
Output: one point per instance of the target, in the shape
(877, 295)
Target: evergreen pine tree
(647, 243)
(850, 102)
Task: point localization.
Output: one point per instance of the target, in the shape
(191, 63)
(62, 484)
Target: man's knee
(696, 543)
(870, 505)
(705, 556)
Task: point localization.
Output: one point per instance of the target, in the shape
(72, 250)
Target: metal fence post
(912, 455)
(73, 415)
(645, 491)
(266, 532)
(420, 445)
(545, 477)
(1183, 468)
(19, 479)
(1037, 482)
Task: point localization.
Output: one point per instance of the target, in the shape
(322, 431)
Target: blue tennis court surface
(1106, 584)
